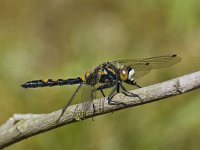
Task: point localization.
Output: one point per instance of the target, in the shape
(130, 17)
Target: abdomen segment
(50, 82)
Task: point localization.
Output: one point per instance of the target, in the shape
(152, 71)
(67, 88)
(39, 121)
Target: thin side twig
(22, 126)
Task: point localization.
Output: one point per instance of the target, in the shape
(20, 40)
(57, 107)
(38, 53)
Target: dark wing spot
(147, 64)
(174, 55)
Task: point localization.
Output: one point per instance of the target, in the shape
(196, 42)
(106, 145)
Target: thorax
(104, 73)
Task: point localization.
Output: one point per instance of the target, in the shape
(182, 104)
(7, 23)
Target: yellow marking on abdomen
(45, 80)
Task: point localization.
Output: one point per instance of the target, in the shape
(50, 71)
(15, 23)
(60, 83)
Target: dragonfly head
(127, 74)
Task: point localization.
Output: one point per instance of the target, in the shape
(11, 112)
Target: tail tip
(24, 86)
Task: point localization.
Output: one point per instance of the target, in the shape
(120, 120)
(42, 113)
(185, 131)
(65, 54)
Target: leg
(133, 83)
(112, 94)
(118, 88)
(105, 86)
(127, 92)
(102, 93)
(138, 85)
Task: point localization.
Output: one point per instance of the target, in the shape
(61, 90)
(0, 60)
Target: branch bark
(22, 126)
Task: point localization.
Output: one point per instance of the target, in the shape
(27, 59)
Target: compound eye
(124, 74)
(131, 74)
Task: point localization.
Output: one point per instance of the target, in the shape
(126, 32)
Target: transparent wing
(162, 61)
(88, 94)
(144, 66)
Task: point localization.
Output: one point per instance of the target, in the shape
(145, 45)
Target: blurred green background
(64, 38)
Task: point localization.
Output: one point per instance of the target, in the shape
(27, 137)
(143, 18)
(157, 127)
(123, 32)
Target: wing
(144, 66)
(88, 95)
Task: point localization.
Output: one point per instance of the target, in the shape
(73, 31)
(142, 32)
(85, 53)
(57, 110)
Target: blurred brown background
(65, 38)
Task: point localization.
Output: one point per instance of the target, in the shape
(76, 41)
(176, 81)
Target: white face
(131, 74)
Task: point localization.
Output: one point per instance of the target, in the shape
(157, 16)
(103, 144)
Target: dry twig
(22, 126)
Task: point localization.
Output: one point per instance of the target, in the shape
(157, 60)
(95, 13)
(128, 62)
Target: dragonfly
(111, 74)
